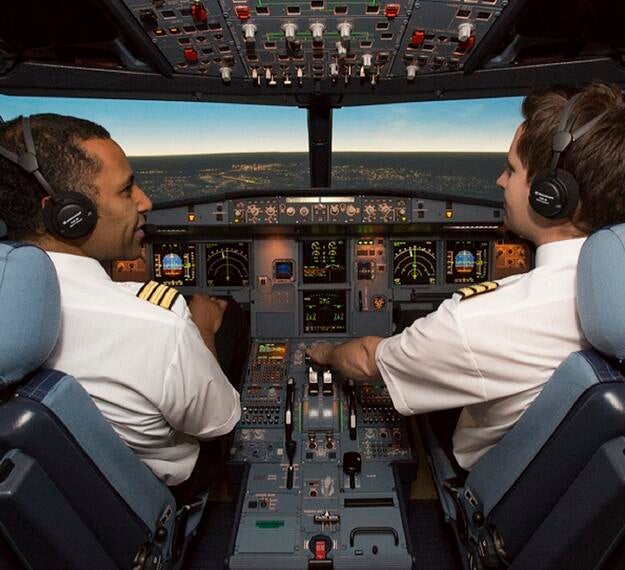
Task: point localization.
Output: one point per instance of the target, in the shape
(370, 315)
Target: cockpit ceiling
(286, 51)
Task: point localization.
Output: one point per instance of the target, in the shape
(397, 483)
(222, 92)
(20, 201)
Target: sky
(152, 128)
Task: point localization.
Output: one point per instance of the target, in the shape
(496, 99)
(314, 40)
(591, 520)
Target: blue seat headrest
(601, 290)
(30, 310)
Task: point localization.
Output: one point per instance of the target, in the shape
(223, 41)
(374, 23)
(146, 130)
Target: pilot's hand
(320, 353)
(207, 312)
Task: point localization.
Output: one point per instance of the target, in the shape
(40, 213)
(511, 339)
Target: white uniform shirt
(146, 368)
(491, 353)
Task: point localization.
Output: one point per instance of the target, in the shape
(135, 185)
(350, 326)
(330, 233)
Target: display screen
(466, 261)
(510, 259)
(283, 269)
(271, 351)
(414, 262)
(325, 312)
(324, 261)
(174, 263)
(227, 264)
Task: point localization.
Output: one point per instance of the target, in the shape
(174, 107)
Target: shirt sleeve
(429, 366)
(197, 397)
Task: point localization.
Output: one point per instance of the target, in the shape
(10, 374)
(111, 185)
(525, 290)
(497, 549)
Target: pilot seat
(551, 493)
(72, 494)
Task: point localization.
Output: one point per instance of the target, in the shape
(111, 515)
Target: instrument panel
(331, 285)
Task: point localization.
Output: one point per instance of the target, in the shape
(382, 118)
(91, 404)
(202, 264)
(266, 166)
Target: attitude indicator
(227, 264)
(174, 264)
(414, 263)
(466, 261)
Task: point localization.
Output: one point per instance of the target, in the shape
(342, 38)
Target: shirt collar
(68, 263)
(559, 252)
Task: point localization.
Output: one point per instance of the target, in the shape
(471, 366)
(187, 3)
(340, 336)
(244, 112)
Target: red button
(242, 12)
(191, 55)
(320, 550)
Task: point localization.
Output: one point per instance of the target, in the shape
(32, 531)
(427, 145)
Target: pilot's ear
(44, 201)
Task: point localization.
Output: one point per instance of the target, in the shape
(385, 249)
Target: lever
(313, 382)
(352, 465)
(352, 409)
(327, 383)
(288, 414)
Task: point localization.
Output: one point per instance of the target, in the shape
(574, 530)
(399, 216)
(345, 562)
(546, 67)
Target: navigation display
(227, 264)
(466, 261)
(414, 262)
(324, 261)
(324, 312)
(174, 264)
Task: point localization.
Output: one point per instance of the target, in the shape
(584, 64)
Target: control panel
(292, 211)
(271, 44)
(329, 462)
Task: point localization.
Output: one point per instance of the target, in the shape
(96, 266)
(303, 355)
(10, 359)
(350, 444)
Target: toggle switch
(226, 74)
(317, 29)
(249, 30)
(289, 29)
(411, 72)
(345, 30)
(464, 31)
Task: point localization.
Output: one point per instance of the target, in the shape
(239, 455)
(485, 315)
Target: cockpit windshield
(190, 150)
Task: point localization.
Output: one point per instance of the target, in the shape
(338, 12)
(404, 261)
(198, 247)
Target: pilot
(491, 347)
(149, 361)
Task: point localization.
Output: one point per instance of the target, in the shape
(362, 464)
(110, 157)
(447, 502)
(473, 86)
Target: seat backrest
(528, 481)
(63, 470)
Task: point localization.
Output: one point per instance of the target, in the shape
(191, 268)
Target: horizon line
(333, 152)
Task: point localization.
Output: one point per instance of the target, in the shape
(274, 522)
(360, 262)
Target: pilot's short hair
(64, 164)
(597, 160)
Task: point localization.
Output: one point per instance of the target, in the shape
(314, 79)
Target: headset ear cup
(571, 189)
(70, 215)
(554, 196)
(546, 194)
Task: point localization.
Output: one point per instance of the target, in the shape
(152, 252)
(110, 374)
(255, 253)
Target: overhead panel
(286, 42)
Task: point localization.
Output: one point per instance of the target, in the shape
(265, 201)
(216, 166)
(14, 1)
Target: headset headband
(27, 161)
(564, 137)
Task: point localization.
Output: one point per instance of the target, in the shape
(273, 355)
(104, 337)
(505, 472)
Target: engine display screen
(174, 264)
(466, 261)
(414, 262)
(324, 261)
(325, 312)
(271, 351)
(227, 264)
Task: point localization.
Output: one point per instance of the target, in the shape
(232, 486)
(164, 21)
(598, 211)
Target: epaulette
(158, 294)
(477, 289)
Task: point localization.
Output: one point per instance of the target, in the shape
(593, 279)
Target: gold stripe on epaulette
(465, 292)
(147, 289)
(477, 289)
(169, 298)
(157, 295)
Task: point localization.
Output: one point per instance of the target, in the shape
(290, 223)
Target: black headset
(554, 192)
(66, 214)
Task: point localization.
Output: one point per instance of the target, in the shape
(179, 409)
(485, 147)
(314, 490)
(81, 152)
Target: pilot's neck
(50, 243)
(559, 232)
